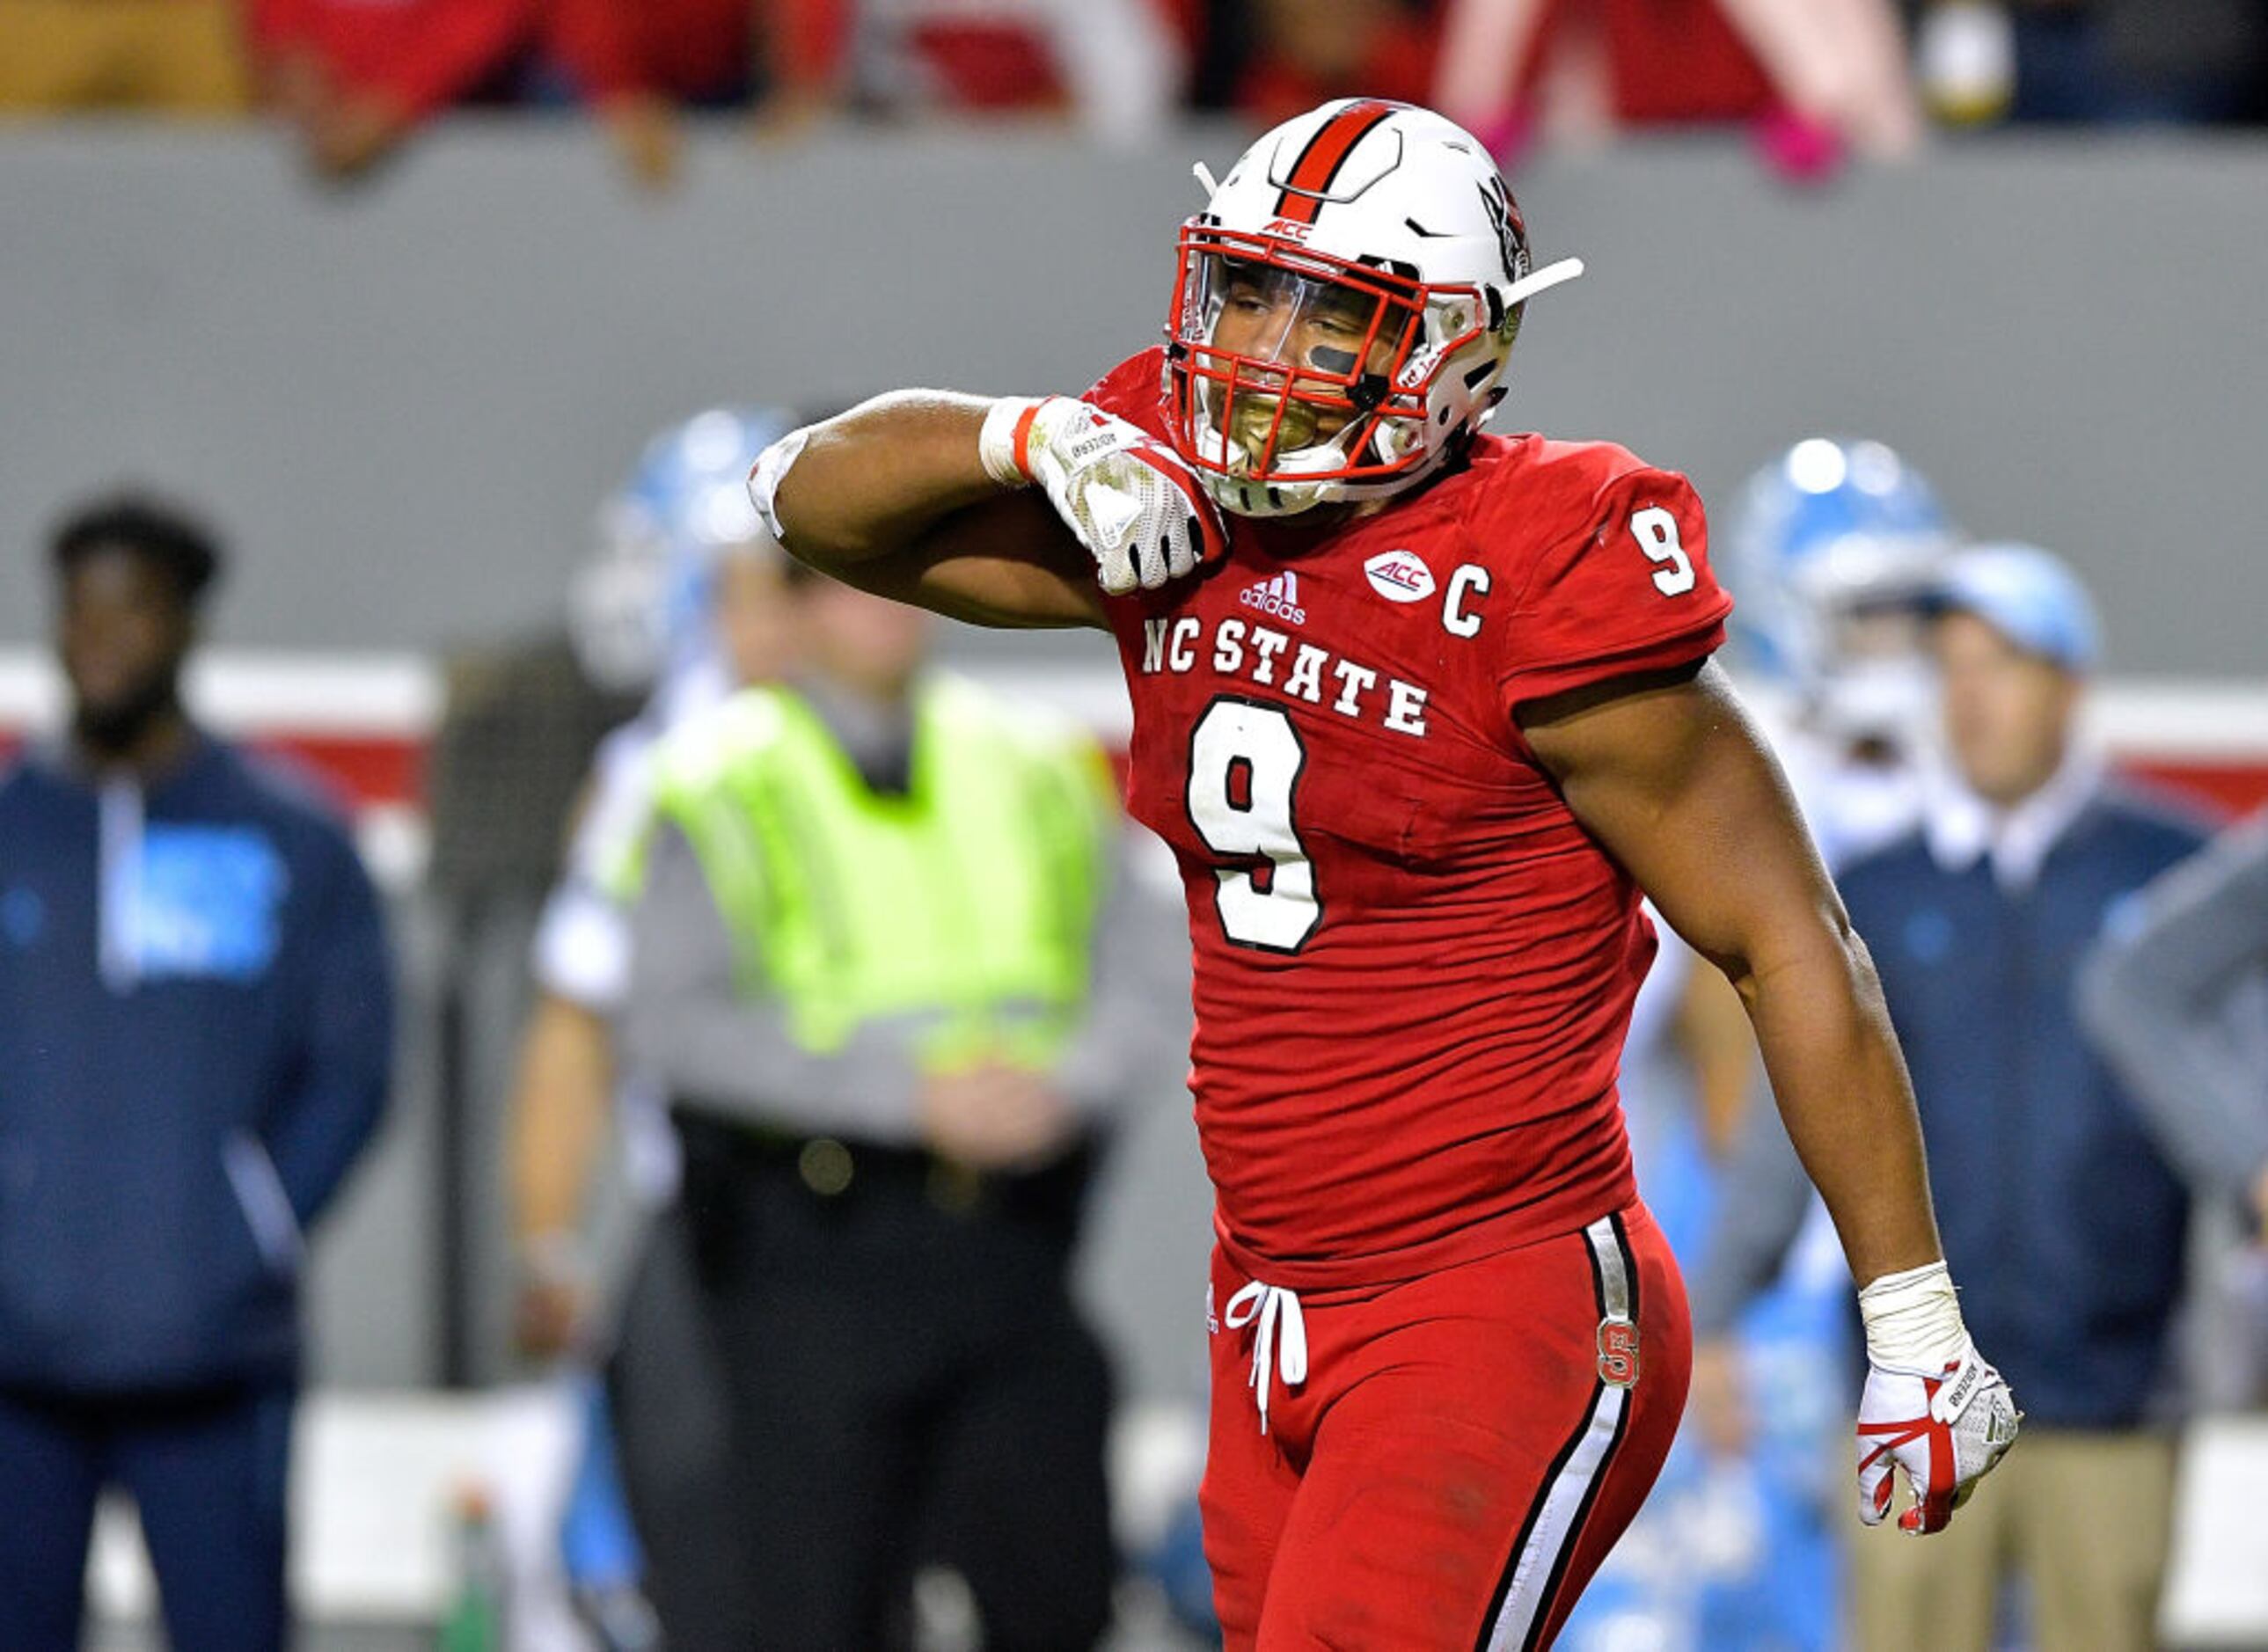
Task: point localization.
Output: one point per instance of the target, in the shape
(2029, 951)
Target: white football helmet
(1345, 307)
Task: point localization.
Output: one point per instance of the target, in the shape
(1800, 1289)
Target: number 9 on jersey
(1245, 759)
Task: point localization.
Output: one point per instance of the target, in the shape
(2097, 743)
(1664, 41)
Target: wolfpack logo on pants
(1278, 598)
(1618, 1353)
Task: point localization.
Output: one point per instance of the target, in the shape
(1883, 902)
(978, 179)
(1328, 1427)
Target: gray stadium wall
(404, 400)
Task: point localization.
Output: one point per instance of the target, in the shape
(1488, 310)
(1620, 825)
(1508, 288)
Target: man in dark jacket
(2059, 1212)
(195, 1033)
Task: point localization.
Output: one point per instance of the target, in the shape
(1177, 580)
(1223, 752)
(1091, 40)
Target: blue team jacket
(196, 1039)
(2064, 1228)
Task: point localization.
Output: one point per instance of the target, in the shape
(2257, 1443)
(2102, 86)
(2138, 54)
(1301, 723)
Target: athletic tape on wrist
(1001, 440)
(1913, 1320)
(771, 467)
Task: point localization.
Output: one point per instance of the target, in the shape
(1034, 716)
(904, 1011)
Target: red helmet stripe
(1319, 163)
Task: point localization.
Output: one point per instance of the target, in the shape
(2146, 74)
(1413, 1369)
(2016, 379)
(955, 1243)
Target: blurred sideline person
(2174, 998)
(1422, 711)
(2162, 997)
(687, 593)
(195, 1042)
(887, 971)
(2072, 1227)
(1827, 548)
(688, 590)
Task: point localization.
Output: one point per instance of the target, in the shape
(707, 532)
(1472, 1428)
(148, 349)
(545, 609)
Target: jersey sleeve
(1629, 590)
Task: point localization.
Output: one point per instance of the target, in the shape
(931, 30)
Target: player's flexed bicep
(917, 495)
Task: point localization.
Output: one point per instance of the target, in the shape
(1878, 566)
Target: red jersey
(1414, 968)
(422, 55)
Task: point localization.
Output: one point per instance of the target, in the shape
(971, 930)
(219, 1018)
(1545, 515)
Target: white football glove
(1932, 1406)
(1128, 498)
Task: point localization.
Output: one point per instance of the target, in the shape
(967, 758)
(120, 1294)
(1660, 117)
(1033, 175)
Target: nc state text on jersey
(1258, 654)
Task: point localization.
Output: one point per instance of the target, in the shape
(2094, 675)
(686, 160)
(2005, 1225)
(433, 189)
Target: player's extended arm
(918, 495)
(1669, 775)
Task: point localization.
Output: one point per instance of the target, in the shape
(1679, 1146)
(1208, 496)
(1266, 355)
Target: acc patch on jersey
(1399, 577)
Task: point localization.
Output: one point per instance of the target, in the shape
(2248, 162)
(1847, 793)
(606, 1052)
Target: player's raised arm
(918, 495)
(1669, 775)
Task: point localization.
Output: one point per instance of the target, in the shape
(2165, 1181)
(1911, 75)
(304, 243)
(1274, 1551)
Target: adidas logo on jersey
(1278, 597)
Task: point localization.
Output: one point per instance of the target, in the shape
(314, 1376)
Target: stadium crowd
(1812, 79)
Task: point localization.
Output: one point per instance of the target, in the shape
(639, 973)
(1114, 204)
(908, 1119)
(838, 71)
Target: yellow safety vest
(969, 900)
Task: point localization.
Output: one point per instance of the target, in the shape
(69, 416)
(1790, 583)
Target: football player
(1421, 711)
(1830, 549)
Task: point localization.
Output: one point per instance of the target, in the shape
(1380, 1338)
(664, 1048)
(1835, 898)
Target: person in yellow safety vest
(880, 967)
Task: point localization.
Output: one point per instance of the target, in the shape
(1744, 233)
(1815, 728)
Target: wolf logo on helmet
(1344, 309)
(1511, 229)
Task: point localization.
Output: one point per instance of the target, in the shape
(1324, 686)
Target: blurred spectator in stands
(1268, 59)
(196, 1035)
(644, 64)
(694, 581)
(889, 965)
(2093, 59)
(2060, 1206)
(163, 56)
(1112, 66)
(1812, 77)
(2176, 997)
(354, 77)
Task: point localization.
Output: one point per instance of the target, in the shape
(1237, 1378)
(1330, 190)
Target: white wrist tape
(1913, 1321)
(772, 465)
(1000, 441)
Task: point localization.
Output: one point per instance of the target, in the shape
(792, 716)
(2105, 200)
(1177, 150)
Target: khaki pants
(2084, 1519)
(181, 56)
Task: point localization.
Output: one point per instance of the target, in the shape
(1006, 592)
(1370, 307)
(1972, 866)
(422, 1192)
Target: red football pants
(1463, 1453)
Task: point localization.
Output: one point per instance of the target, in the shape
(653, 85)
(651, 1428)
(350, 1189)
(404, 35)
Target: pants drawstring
(1274, 1314)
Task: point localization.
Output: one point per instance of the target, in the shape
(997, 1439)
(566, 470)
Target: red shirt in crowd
(1671, 62)
(419, 55)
